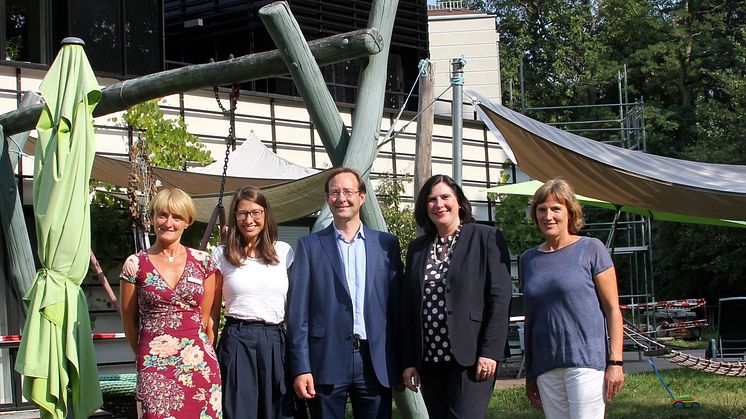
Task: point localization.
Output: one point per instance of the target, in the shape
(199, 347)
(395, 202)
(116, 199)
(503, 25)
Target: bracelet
(614, 362)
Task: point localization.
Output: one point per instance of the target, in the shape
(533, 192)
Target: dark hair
(338, 171)
(420, 206)
(235, 242)
(563, 193)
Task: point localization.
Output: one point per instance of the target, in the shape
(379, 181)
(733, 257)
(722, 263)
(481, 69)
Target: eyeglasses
(348, 193)
(256, 214)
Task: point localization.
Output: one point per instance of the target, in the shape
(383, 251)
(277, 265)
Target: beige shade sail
(617, 175)
(290, 199)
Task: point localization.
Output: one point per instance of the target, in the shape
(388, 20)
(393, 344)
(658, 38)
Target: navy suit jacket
(320, 308)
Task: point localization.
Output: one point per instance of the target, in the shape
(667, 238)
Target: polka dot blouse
(434, 312)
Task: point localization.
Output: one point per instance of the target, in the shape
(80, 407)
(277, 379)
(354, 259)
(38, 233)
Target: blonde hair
(563, 193)
(175, 201)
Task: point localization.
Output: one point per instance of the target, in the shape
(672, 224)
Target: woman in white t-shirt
(252, 279)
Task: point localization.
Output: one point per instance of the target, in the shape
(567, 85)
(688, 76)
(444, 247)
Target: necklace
(173, 257)
(448, 244)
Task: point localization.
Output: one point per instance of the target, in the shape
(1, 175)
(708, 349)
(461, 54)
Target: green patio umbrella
(56, 353)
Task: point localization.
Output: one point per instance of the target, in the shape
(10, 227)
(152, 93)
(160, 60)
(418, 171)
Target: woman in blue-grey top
(571, 300)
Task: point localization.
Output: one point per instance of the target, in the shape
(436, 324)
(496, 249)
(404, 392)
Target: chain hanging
(230, 141)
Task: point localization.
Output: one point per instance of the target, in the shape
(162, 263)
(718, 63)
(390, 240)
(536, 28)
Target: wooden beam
(123, 95)
(366, 121)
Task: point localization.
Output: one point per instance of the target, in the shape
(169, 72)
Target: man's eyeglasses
(348, 193)
(256, 214)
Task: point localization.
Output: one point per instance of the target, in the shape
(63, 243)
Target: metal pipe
(457, 111)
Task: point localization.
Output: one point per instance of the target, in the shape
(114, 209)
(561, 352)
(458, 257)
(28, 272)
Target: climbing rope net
(651, 347)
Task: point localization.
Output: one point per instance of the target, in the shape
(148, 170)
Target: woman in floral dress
(166, 293)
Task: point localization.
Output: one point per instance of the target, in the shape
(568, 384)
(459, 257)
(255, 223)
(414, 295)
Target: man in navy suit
(342, 307)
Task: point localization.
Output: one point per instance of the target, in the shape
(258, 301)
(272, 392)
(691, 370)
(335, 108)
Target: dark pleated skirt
(252, 367)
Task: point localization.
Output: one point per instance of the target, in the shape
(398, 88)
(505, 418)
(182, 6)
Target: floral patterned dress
(178, 374)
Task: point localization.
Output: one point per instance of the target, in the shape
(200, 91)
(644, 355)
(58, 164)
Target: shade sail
(528, 189)
(253, 160)
(116, 171)
(56, 352)
(613, 174)
(290, 200)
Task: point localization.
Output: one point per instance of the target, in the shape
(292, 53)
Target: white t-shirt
(255, 291)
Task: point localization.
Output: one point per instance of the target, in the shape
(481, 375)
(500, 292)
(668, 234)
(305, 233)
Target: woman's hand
(411, 379)
(532, 392)
(613, 380)
(486, 368)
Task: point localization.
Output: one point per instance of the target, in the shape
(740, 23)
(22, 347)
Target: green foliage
(167, 140)
(511, 217)
(399, 217)
(13, 47)
(686, 59)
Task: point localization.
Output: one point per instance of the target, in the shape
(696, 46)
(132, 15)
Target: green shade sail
(56, 353)
(528, 189)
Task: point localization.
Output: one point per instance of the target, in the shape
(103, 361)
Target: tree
(168, 142)
(511, 217)
(686, 58)
(399, 217)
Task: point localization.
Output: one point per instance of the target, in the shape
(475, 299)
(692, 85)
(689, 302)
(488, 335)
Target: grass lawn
(644, 397)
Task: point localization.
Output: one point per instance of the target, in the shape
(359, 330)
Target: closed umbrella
(56, 353)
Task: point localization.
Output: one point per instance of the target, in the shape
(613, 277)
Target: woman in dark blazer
(454, 304)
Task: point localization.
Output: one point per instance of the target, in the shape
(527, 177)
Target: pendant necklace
(173, 257)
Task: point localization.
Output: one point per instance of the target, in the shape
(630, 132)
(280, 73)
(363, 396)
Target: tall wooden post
(423, 167)
(366, 121)
(286, 33)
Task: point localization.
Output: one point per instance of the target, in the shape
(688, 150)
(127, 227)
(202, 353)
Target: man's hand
(411, 379)
(303, 385)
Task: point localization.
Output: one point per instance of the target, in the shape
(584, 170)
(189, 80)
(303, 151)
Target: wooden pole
(308, 79)
(366, 121)
(123, 95)
(423, 167)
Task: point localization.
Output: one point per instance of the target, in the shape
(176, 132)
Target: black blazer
(477, 297)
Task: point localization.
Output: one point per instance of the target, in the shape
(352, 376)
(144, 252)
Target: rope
(421, 73)
(414, 118)
(652, 347)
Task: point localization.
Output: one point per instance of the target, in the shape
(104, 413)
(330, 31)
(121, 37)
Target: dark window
(234, 27)
(123, 37)
(23, 35)
(98, 23)
(144, 45)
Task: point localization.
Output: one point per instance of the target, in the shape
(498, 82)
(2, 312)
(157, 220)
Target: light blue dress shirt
(353, 260)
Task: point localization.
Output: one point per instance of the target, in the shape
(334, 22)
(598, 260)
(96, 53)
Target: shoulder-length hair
(420, 206)
(563, 193)
(235, 242)
(175, 201)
